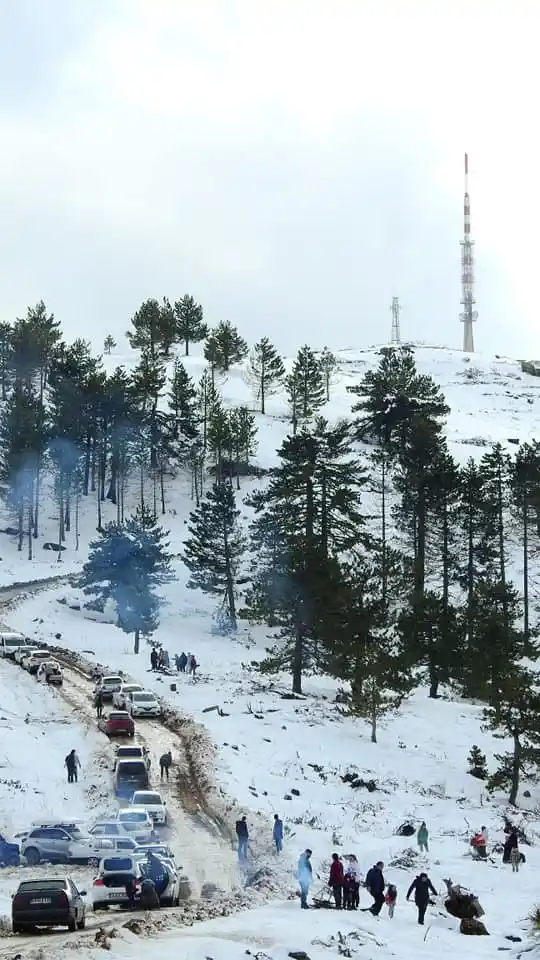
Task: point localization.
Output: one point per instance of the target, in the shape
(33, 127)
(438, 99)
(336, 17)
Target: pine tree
(516, 717)
(219, 437)
(147, 382)
(311, 505)
(212, 355)
(243, 440)
(126, 565)
(153, 329)
(109, 343)
(477, 530)
(23, 440)
(525, 497)
(6, 349)
(189, 325)
(364, 649)
(305, 385)
(35, 340)
(207, 397)
(495, 470)
(477, 763)
(117, 407)
(393, 397)
(432, 635)
(329, 365)
(183, 416)
(265, 371)
(214, 548)
(230, 347)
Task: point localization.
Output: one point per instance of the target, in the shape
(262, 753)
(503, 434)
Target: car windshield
(129, 769)
(147, 798)
(118, 863)
(29, 885)
(41, 655)
(110, 681)
(13, 642)
(129, 752)
(143, 698)
(130, 687)
(133, 816)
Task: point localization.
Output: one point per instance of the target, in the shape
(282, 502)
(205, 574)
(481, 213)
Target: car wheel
(72, 924)
(32, 856)
(16, 929)
(82, 923)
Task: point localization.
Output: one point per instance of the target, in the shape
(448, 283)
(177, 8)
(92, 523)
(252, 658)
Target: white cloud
(292, 163)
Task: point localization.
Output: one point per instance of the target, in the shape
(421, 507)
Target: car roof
(152, 793)
(44, 880)
(129, 683)
(36, 650)
(71, 822)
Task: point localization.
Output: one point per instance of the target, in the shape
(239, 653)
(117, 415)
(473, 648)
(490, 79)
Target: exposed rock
(473, 927)
(295, 793)
(134, 925)
(406, 830)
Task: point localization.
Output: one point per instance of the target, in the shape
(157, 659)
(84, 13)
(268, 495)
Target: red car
(117, 724)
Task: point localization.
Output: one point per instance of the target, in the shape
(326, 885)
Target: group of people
(511, 851)
(184, 662)
(344, 881)
(242, 834)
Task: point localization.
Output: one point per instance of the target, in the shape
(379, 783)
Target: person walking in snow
(165, 763)
(98, 703)
(242, 833)
(165, 660)
(304, 875)
(193, 665)
(421, 886)
(422, 837)
(154, 659)
(376, 886)
(183, 662)
(510, 844)
(515, 859)
(73, 764)
(390, 899)
(335, 880)
(351, 887)
(484, 832)
(277, 833)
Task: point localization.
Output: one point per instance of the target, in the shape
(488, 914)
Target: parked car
(130, 775)
(9, 853)
(49, 671)
(108, 686)
(169, 894)
(22, 652)
(109, 886)
(48, 902)
(161, 849)
(153, 802)
(59, 843)
(143, 704)
(34, 661)
(137, 822)
(131, 752)
(120, 696)
(117, 724)
(11, 642)
(121, 845)
(109, 829)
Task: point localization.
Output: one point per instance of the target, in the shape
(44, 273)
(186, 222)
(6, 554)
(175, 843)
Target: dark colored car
(9, 853)
(117, 724)
(53, 902)
(129, 776)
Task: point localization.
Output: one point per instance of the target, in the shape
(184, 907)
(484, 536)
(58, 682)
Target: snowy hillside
(275, 754)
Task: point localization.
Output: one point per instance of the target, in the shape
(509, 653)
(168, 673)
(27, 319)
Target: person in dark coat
(149, 897)
(510, 844)
(98, 703)
(183, 662)
(72, 763)
(335, 881)
(376, 886)
(242, 833)
(153, 659)
(422, 887)
(277, 833)
(165, 763)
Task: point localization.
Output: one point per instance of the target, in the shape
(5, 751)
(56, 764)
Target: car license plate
(40, 900)
(118, 895)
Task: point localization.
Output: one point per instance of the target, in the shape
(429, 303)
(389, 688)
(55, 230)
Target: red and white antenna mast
(468, 314)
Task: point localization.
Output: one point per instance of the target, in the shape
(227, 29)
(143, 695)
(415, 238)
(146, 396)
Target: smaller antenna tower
(469, 314)
(396, 310)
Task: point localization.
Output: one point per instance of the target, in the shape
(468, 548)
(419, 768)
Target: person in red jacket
(336, 880)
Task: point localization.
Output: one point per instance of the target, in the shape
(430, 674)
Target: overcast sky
(293, 164)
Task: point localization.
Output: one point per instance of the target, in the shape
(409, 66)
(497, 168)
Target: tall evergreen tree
(517, 718)
(265, 371)
(35, 340)
(153, 329)
(229, 346)
(183, 416)
(393, 397)
(212, 355)
(243, 440)
(23, 440)
(109, 343)
(305, 386)
(329, 365)
(495, 469)
(525, 497)
(207, 398)
(147, 382)
(189, 325)
(127, 565)
(6, 350)
(477, 529)
(214, 549)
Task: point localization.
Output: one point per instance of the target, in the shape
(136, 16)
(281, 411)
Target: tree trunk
(30, 526)
(77, 512)
(20, 524)
(374, 725)
(297, 661)
(187, 347)
(384, 565)
(99, 516)
(516, 767)
(87, 464)
(141, 480)
(36, 500)
(433, 678)
(263, 391)
(526, 626)
(162, 489)
(136, 642)
(67, 514)
(231, 603)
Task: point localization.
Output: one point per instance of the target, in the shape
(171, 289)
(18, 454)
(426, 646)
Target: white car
(143, 704)
(22, 652)
(153, 802)
(137, 822)
(33, 662)
(11, 642)
(120, 697)
(108, 686)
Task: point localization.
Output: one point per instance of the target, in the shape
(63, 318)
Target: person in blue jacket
(277, 833)
(304, 875)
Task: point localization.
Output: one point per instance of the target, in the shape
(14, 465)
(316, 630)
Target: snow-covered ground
(268, 746)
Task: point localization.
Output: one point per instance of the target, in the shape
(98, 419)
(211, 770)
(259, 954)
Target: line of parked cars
(127, 696)
(37, 662)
